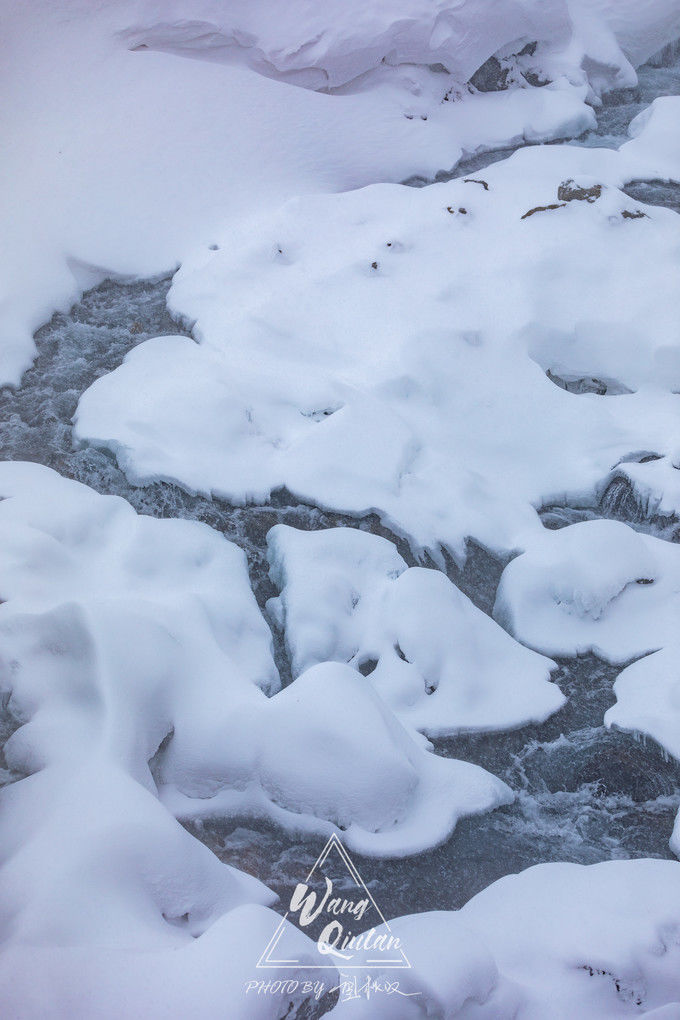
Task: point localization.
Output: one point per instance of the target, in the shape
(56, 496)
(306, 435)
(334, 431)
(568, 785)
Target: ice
(440, 663)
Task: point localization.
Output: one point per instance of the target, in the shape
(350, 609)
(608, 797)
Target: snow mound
(595, 586)
(326, 754)
(440, 663)
(596, 942)
(191, 977)
(648, 701)
(106, 617)
(585, 941)
(655, 140)
(379, 350)
(126, 639)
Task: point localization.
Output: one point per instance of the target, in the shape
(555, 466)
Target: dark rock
(473, 180)
(543, 208)
(490, 77)
(568, 191)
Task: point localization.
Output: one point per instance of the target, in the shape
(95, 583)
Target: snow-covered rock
(379, 350)
(325, 754)
(557, 940)
(595, 586)
(348, 43)
(119, 633)
(595, 941)
(648, 700)
(440, 663)
(125, 161)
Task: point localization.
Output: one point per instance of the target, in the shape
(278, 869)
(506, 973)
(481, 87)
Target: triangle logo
(335, 908)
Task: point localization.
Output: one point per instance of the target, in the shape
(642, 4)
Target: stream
(583, 793)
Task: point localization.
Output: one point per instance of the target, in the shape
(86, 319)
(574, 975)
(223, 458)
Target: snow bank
(349, 43)
(379, 350)
(440, 663)
(122, 162)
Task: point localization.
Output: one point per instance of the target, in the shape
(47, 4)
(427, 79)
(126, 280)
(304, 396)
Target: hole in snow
(400, 653)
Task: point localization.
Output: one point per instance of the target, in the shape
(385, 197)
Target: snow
(648, 700)
(595, 586)
(442, 665)
(326, 754)
(370, 348)
(550, 926)
(127, 162)
(600, 586)
(379, 350)
(558, 940)
(654, 140)
(120, 643)
(193, 977)
(347, 43)
(104, 133)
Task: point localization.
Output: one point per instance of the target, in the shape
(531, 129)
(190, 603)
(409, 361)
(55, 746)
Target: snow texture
(440, 663)
(379, 350)
(450, 359)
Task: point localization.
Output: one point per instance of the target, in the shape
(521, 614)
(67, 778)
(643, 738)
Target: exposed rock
(543, 208)
(569, 191)
(490, 77)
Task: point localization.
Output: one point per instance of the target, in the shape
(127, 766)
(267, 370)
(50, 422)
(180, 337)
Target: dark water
(582, 793)
(618, 502)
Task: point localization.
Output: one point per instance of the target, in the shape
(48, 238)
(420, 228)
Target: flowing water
(582, 793)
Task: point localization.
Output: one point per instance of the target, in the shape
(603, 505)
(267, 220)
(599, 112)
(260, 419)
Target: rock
(570, 191)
